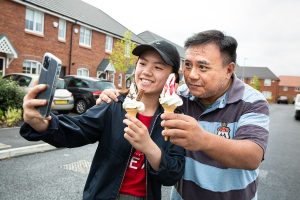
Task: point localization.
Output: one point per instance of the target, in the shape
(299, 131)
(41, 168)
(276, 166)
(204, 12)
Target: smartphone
(49, 73)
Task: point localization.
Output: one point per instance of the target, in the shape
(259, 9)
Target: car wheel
(80, 106)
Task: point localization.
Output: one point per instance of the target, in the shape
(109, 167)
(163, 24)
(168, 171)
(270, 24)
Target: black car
(86, 90)
(282, 99)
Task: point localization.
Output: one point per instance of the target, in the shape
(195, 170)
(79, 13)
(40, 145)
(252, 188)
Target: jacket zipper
(146, 165)
(125, 171)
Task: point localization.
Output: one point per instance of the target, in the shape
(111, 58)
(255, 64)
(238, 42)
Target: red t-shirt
(134, 182)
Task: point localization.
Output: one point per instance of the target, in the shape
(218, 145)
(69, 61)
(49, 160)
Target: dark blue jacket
(104, 124)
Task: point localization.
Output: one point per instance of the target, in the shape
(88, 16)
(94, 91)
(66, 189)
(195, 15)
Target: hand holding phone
(49, 73)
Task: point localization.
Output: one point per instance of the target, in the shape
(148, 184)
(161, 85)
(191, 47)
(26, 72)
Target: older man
(224, 127)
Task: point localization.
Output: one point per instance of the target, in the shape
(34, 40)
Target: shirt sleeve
(72, 131)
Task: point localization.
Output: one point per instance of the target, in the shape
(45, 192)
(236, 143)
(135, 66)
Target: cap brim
(139, 50)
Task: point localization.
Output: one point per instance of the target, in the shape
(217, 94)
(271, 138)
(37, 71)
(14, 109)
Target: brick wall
(32, 47)
(273, 88)
(290, 93)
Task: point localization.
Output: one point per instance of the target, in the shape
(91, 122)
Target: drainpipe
(70, 50)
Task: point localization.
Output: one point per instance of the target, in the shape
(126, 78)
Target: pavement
(12, 144)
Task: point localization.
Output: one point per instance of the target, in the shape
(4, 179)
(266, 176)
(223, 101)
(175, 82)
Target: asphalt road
(61, 174)
(280, 172)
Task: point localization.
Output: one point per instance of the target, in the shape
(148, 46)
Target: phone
(49, 73)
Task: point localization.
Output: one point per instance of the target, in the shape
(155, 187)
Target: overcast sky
(268, 31)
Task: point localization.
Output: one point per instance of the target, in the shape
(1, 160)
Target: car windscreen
(60, 84)
(102, 85)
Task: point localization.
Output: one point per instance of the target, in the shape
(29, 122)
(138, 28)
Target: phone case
(49, 73)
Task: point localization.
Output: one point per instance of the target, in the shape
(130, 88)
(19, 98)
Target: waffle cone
(168, 109)
(131, 112)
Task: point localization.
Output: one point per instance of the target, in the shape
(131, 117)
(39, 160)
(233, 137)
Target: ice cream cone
(131, 112)
(168, 109)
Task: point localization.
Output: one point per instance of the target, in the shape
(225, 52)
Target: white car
(297, 107)
(63, 100)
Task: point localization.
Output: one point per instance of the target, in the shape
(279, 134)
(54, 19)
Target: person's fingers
(32, 114)
(176, 124)
(98, 101)
(168, 116)
(129, 132)
(103, 97)
(48, 118)
(32, 103)
(113, 94)
(176, 133)
(134, 120)
(34, 91)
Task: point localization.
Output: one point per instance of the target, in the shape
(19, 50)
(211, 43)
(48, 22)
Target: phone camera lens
(46, 62)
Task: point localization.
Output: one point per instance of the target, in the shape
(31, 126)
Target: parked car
(85, 90)
(63, 100)
(25, 81)
(297, 107)
(282, 99)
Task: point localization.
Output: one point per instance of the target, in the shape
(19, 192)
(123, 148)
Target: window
(85, 37)
(128, 78)
(120, 80)
(267, 82)
(83, 72)
(31, 67)
(62, 29)
(34, 21)
(267, 94)
(109, 44)
(285, 88)
(297, 89)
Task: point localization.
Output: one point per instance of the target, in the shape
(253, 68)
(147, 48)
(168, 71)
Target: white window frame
(34, 67)
(83, 71)
(62, 26)
(109, 43)
(297, 89)
(85, 37)
(267, 82)
(267, 94)
(120, 80)
(285, 88)
(34, 21)
(112, 78)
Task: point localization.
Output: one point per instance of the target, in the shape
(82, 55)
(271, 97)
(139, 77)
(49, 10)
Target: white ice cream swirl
(171, 100)
(130, 101)
(168, 95)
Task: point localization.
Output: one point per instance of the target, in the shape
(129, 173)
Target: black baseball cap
(167, 51)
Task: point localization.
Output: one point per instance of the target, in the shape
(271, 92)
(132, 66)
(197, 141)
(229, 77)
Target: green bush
(13, 116)
(11, 95)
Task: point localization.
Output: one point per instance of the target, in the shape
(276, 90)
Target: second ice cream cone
(168, 109)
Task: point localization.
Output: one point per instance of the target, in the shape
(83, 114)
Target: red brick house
(289, 86)
(268, 80)
(81, 35)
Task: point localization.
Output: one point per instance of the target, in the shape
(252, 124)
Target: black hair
(226, 44)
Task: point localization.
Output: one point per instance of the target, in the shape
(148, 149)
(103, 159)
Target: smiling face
(151, 73)
(205, 73)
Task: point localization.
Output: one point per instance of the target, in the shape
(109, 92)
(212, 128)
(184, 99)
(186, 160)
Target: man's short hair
(226, 44)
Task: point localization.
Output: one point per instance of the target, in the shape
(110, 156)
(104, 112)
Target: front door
(2, 66)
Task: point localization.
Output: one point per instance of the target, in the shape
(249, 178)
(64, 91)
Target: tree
(121, 56)
(255, 83)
